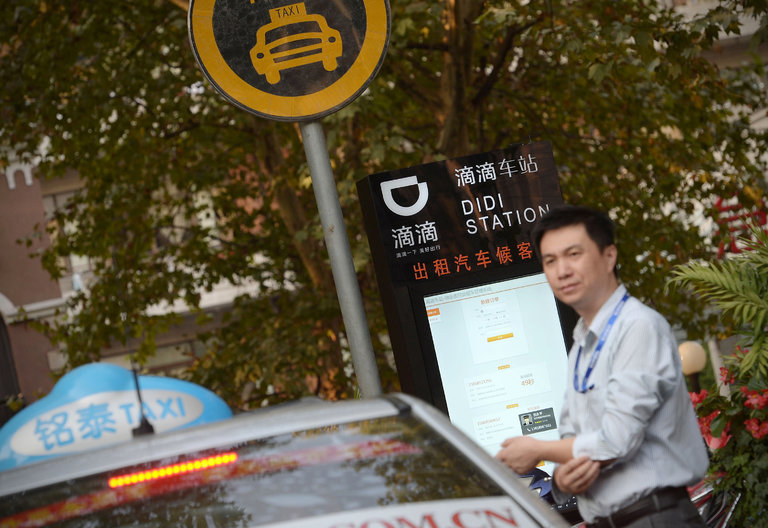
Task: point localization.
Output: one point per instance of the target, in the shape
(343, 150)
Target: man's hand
(576, 475)
(521, 453)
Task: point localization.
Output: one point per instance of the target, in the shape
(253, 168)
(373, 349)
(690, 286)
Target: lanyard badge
(583, 387)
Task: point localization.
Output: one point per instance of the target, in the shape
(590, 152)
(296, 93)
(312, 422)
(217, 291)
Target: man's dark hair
(599, 227)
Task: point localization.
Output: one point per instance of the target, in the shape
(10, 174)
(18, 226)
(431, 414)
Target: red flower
(726, 376)
(717, 443)
(698, 397)
(756, 428)
(705, 423)
(741, 351)
(755, 400)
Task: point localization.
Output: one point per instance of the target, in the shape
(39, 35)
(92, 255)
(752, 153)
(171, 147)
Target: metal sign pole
(335, 232)
(309, 91)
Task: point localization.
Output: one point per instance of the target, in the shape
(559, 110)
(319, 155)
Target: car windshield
(354, 466)
(307, 28)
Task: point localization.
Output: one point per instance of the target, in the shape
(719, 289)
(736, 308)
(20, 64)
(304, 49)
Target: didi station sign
(474, 326)
(287, 60)
(462, 216)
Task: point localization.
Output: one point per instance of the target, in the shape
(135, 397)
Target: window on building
(77, 268)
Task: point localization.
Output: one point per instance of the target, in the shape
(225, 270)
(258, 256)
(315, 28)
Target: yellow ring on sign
(279, 106)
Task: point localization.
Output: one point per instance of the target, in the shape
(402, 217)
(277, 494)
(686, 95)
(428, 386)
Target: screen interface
(502, 359)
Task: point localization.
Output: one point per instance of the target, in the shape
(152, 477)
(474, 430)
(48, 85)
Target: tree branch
(501, 59)
(183, 4)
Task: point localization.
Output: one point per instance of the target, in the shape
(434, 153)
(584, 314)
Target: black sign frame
(403, 296)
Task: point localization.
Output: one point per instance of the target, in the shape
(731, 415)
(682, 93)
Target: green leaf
(718, 425)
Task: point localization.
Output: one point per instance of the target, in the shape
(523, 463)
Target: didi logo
(410, 210)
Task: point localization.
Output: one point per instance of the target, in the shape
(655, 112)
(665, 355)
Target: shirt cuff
(589, 444)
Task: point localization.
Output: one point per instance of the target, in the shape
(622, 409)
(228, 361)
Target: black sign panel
(461, 216)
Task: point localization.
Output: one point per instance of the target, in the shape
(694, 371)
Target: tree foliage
(183, 190)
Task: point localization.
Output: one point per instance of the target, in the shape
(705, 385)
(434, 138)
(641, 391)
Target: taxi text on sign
(289, 61)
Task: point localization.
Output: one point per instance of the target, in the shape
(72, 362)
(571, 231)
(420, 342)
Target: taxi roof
(306, 413)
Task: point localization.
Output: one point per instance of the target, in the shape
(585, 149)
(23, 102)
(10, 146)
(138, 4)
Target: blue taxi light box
(97, 405)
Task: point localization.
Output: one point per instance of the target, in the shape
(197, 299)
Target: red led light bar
(190, 466)
(119, 491)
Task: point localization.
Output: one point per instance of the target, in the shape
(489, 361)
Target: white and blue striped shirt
(638, 413)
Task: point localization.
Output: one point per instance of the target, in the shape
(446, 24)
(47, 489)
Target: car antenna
(144, 427)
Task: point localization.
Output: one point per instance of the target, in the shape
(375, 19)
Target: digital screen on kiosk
(501, 358)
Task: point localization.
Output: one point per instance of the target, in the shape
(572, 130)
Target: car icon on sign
(294, 38)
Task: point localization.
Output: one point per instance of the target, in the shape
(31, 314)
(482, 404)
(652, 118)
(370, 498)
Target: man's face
(579, 274)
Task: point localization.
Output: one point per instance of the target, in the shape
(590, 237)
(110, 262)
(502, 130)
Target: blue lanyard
(598, 348)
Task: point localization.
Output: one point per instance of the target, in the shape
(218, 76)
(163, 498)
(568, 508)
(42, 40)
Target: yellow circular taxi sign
(288, 60)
